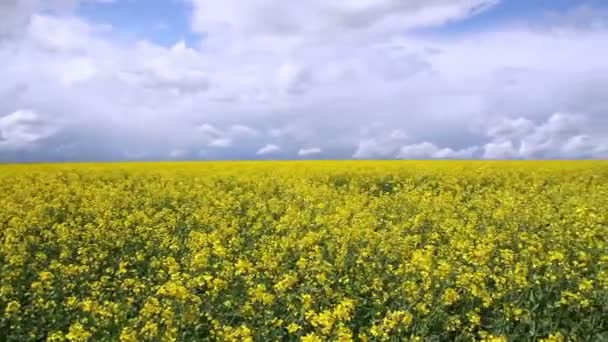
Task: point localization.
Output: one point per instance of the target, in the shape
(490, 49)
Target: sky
(111, 80)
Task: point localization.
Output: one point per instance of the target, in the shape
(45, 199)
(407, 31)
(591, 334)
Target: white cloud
(23, 129)
(17, 15)
(78, 70)
(66, 34)
(511, 129)
(216, 137)
(500, 150)
(178, 69)
(209, 130)
(381, 144)
(578, 143)
(275, 17)
(427, 150)
(312, 76)
(221, 142)
(14, 15)
(268, 149)
(242, 131)
(305, 152)
(562, 135)
(294, 79)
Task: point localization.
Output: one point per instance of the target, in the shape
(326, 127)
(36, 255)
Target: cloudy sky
(317, 79)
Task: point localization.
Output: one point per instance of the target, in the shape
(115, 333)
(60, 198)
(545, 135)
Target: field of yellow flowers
(304, 251)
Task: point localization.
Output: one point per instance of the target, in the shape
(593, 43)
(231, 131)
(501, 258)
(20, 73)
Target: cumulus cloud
(562, 135)
(312, 76)
(427, 150)
(320, 17)
(221, 142)
(216, 137)
(379, 143)
(510, 129)
(16, 15)
(268, 149)
(22, 129)
(306, 152)
(242, 130)
(500, 150)
(209, 130)
(179, 69)
(294, 79)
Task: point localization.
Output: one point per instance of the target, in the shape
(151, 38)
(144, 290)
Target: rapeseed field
(304, 251)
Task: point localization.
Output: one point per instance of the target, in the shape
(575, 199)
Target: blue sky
(168, 21)
(519, 11)
(269, 79)
(163, 22)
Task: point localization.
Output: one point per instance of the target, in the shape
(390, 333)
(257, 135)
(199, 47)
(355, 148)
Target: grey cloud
(22, 129)
(511, 129)
(16, 15)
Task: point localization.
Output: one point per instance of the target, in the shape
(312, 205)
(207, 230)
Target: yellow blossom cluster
(304, 251)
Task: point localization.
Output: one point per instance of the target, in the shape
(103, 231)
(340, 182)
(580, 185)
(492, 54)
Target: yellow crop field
(304, 251)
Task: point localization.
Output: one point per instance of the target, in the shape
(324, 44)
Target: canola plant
(304, 251)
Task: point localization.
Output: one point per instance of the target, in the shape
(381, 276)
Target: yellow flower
(407, 319)
(45, 276)
(150, 330)
(55, 336)
(293, 328)
(128, 335)
(474, 318)
(557, 337)
(331, 250)
(78, 333)
(174, 289)
(344, 334)
(12, 308)
(450, 296)
(585, 285)
(324, 320)
(242, 266)
(311, 338)
(343, 311)
(492, 338)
